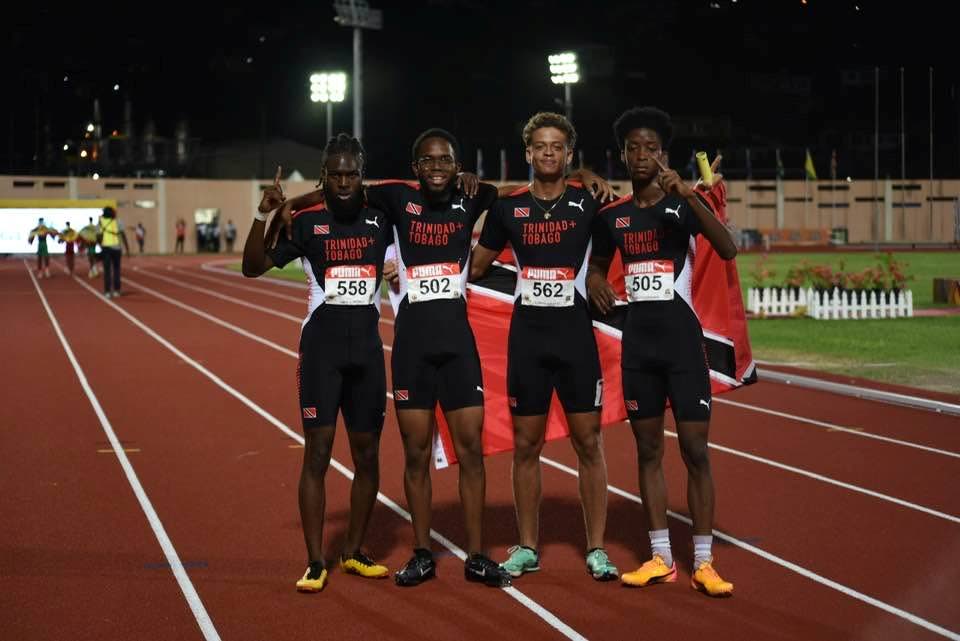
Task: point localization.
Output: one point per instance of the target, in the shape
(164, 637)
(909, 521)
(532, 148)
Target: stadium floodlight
(328, 87)
(565, 71)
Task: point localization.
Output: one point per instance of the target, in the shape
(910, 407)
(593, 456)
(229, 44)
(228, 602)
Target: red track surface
(79, 560)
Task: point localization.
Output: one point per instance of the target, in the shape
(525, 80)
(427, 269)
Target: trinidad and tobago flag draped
(717, 301)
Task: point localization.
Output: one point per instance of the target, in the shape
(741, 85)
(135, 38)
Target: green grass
(921, 352)
(923, 266)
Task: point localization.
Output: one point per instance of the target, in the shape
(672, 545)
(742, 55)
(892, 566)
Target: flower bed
(821, 292)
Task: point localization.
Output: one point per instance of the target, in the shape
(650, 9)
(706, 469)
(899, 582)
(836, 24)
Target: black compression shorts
(435, 360)
(547, 353)
(341, 368)
(664, 358)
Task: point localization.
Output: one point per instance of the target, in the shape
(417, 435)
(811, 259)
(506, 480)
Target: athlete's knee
(366, 459)
(525, 448)
(316, 461)
(416, 458)
(695, 453)
(588, 446)
(649, 446)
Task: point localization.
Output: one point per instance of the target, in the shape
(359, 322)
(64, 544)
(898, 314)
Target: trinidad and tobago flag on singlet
(717, 301)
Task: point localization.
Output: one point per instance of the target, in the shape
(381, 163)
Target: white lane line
(223, 282)
(279, 282)
(547, 616)
(173, 559)
(219, 321)
(802, 571)
(837, 428)
(232, 299)
(831, 481)
(784, 563)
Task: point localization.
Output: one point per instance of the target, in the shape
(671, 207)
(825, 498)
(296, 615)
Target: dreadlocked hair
(342, 144)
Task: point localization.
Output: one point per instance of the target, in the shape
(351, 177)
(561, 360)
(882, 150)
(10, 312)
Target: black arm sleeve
(494, 234)
(603, 243)
(287, 250)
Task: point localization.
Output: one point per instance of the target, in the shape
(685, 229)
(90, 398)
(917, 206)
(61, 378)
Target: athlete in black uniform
(341, 243)
(435, 356)
(551, 342)
(663, 354)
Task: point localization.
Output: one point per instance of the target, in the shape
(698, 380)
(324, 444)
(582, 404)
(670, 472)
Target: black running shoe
(481, 569)
(418, 569)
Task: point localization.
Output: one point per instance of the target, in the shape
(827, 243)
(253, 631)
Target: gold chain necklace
(546, 212)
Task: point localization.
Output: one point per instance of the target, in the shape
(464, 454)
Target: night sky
(761, 74)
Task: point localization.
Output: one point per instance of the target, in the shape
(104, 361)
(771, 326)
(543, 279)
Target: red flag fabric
(717, 301)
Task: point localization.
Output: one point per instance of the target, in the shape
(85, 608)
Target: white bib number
(547, 286)
(433, 282)
(350, 285)
(649, 280)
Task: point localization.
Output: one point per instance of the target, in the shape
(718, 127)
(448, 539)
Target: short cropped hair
(549, 119)
(435, 132)
(651, 118)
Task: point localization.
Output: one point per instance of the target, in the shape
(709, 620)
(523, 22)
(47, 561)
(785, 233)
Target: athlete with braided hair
(341, 244)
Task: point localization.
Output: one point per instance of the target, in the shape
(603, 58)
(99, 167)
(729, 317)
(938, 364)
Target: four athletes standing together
(562, 239)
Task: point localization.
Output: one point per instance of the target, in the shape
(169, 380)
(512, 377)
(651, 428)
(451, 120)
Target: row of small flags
(810, 171)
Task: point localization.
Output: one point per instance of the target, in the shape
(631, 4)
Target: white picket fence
(776, 301)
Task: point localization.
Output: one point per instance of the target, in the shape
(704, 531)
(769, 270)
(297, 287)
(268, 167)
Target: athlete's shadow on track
(561, 522)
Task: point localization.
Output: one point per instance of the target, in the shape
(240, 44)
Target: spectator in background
(88, 239)
(40, 232)
(111, 234)
(69, 238)
(181, 235)
(230, 235)
(141, 235)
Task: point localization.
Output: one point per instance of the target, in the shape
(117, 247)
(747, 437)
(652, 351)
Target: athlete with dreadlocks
(341, 244)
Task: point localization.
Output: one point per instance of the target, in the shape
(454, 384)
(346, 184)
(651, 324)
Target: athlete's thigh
(414, 376)
(460, 377)
(319, 378)
(364, 394)
(644, 391)
(529, 380)
(578, 379)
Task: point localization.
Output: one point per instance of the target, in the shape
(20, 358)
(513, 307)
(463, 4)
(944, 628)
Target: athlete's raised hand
(468, 183)
(670, 181)
(273, 195)
(717, 177)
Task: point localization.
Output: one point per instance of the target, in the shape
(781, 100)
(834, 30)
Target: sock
(702, 552)
(660, 544)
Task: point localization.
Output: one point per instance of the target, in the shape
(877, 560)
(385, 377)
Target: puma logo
(578, 205)
(373, 222)
(459, 206)
(705, 403)
(479, 389)
(675, 212)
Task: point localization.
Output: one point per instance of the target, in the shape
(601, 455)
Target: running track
(151, 453)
